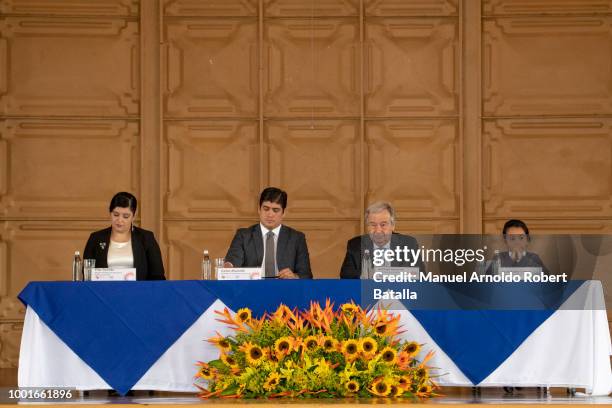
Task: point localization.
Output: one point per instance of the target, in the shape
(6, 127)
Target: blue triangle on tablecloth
(127, 336)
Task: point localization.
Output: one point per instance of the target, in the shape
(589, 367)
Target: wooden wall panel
(106, 8)
(60, 168)
(547, 66)
(211, 68)
(10, 341)
(74, 67)
(395, 8)
(222, 8)
(301, 8)
(544, 7)
(212, 169)
(318, 164)
(549, 168)
(414, 163)
(411, 67)
(312, 67)
(185, 240)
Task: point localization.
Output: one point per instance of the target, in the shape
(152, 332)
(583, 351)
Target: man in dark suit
(380, 224)
(281, 251)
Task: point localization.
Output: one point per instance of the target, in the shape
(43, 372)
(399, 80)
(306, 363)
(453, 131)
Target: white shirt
(264, 233)
(120, 255)
(383, 248)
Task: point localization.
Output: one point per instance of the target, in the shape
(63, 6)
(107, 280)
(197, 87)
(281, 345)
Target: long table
(148, 335)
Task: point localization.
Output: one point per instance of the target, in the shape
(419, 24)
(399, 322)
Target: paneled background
(463, 113)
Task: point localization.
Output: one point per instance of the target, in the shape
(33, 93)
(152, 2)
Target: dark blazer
(351, 267)
(247, 250)
(147, 256)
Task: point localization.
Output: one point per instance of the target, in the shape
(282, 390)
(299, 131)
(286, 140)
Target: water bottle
(206, 266)
(497, 262)
(366, 265)
(77, 267)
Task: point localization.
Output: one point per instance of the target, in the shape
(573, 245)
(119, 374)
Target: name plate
(521, 271)
(238, 273)
(113, 274)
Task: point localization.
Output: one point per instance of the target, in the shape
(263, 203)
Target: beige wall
(461, 112)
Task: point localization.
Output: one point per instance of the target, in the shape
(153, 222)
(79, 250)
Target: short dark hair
(123, 200)
(513, 224)
(273, 195)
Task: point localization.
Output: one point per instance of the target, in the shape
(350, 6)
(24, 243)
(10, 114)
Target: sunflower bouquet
(317, 352)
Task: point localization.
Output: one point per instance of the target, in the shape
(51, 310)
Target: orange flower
(221, 342)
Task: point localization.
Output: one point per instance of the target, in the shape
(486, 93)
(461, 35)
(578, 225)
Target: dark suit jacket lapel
(102, 249)
(257, 243)
(281, 248)
(138, 252)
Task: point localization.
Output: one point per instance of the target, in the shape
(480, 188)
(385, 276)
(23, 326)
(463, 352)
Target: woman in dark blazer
(124, 245)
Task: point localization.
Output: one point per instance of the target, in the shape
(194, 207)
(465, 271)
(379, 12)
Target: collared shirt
(383, 248)
(264, 233)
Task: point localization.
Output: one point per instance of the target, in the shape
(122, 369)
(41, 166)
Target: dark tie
(269, 261)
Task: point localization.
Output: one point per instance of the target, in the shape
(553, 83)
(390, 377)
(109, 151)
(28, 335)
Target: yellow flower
(284, 345)
(404, 382)
(352, 386)
(229, 360)
(243, 315)
(272, 382)
(254, 354)
(311, 342)
(368, 345)
(380, 387)
(350, 308)
(412, 348)
(330, 344)
(381, 328)
(221, 342)
(396, 391)
(350, 349)
(424, 389)
(388, 355)
(421, 374)
(206, 372)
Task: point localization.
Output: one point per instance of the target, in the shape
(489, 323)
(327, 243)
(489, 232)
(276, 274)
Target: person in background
(122, 245)
(281, 251)
(516, 237)
(380, 224)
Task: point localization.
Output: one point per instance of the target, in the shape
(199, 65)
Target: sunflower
(253, 353)
(206, 372)
(272, 382)
(352, 386)
(221, 342)
(284, 345)
(229, 360)
(349, 308)
(380, 328)
(396, 391)
(421, 374)
(350, 349)
(380, 387)
(243, 315)
(368, 345)
(330, 344)
(311, 343)
(404, 382)
(412, 348)
(388, 355)
(424, 389)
